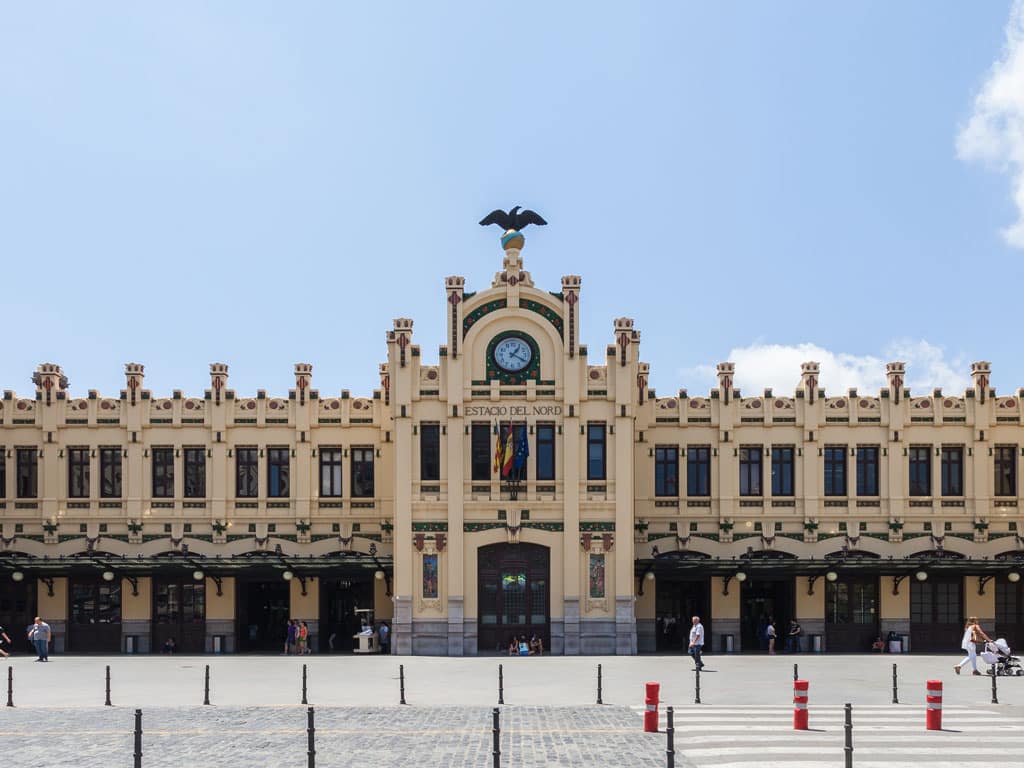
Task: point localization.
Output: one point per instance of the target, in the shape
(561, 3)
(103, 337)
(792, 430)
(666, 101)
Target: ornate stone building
(131, 518)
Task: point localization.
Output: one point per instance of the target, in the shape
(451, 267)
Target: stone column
(401, 383)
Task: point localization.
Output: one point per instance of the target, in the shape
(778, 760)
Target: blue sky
(266, 183)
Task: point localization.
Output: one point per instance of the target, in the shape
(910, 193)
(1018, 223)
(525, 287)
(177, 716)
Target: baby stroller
(1002, 660)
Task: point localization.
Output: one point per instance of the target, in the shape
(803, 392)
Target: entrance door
(340, 598)
(936, 613)
(676, 603)
(851, 614)
(263, 608)
(17, 610)
(762, 600)
(179, 613)
(513, 594)
(95, 621)
(1010, 611)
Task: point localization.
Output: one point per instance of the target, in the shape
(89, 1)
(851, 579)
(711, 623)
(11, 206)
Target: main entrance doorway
(761, 601)
(94, 624)
(179, 614)
(676, 603)
(17, 610)
(263, 615)
(340, 598)
(514, 594)
(936, 613)
(851, 614)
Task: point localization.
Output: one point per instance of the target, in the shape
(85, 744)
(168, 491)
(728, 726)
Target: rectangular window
(920, 470)
(330, 472)
(430, 452)
(867, 470)
(750, 470)
(195, 473)
(3, 472)
(110, 473)
(163, 473)
(362, 473)
(1006, 470)
(78, 473)
(698, 470)
(246, 473)
(666, 470)
(278, 486)
(596, 461)
(782, 470)
(952, 470)
(27, 466)
(835, 470)
(480, 452)
(545, 451)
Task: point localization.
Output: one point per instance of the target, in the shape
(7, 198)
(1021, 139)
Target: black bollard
(848, 749)
(206, 686)
(311, 738)
(10, 686)
(895, 696)
(599, 685)
(138, 738)
(401, 683)
(796, 673)
(107, 702)
(696, 692)
(496, 730)
(501, 685)
(670, 734)
(304, 698)
(995, 698)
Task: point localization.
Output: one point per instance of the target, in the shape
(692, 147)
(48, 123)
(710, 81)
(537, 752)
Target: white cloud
(778, 366)
(995, 132)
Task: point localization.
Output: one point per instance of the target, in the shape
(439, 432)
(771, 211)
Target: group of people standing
(296, 638)
(791, 642)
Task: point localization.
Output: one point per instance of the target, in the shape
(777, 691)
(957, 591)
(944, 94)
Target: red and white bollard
(933, 715)
(651, 714)
(800, 705)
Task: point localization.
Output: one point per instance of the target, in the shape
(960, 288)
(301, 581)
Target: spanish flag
(510, 452)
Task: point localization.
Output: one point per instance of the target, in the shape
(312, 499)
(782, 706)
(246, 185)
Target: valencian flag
(499, 451)
(510, 452)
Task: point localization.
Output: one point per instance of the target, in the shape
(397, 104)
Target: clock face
(512, 354)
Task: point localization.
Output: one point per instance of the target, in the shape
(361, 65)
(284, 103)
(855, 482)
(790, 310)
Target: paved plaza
(550, 715)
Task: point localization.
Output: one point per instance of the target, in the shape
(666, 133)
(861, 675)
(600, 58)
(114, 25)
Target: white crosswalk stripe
(889, 736)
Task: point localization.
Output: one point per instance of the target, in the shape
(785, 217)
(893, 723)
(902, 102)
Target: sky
(262, 183)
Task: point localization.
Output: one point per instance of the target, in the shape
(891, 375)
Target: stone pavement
(550, 718)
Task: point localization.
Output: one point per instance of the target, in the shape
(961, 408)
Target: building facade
(133, 518)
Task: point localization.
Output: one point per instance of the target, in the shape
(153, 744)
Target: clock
(512, 354)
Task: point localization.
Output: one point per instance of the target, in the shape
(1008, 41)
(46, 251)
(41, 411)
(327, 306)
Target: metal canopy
(783, 564)
(339, 563)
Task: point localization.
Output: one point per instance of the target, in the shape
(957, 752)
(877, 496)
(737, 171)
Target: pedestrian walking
(303, 638)
(6, 642)
(793, 638)
(973, 634)
(291, 632)
(39, 634)
(385, 638)
(696, 642)
(771, 636)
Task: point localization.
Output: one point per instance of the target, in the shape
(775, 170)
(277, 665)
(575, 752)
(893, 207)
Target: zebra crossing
(893, 736)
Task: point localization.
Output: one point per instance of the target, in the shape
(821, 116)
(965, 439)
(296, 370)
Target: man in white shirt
(697, 641)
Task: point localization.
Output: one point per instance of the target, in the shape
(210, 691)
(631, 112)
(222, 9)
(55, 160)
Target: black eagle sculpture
(512, 221)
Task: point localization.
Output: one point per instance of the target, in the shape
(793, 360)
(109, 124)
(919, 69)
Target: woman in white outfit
(973, 634)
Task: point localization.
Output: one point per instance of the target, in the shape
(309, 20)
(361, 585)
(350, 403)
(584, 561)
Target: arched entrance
(514, 584)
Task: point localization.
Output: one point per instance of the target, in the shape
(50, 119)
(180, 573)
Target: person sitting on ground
(513, 646)
(536, 646)
(524, 647)
(878, 645)
(169, 646)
